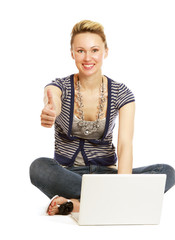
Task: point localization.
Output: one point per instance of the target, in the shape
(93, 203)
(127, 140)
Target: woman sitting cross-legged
(83, 107)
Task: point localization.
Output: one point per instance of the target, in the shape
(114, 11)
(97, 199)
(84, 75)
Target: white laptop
(109, 199)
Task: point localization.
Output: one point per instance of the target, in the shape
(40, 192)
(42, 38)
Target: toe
(54, 202)
(54, 205)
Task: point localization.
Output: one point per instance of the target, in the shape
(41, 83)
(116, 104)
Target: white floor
(25, 218)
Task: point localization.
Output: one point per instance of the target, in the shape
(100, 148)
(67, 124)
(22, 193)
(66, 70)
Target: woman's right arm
(52, 108)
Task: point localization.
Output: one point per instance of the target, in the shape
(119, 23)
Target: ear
(106, 53)
(72, 54)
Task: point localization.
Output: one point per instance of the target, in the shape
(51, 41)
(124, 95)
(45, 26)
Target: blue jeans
(53, 179)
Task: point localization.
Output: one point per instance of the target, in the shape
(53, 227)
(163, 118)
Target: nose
(87, 56)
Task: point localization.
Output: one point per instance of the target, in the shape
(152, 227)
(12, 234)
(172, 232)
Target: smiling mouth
(88, 66)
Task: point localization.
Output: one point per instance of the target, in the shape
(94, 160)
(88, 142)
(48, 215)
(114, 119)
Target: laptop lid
(108, 199)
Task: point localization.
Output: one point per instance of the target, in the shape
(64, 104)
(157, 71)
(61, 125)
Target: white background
(34, 49)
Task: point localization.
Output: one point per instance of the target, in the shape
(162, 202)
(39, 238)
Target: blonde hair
(88, 26)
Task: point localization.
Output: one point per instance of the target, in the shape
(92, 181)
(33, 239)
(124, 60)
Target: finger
(47, 122)
(50, 98)
(47, 117)
(49, 112)
(46, 125)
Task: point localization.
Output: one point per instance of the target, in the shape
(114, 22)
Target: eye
(95, 50)
(80, 51)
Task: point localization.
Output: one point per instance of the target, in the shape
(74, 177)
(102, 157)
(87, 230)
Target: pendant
(81, 123)
(86, 132)
(96, 126)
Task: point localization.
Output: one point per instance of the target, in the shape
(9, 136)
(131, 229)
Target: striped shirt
(94, 151)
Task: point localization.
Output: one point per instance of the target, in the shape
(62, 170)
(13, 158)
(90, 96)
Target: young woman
(83, 107)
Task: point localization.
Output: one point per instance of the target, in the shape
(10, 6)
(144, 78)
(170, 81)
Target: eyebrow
(91, 47)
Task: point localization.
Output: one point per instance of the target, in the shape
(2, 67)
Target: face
(88, 51)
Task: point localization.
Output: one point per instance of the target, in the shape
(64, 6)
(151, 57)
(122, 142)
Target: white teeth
(88, 65)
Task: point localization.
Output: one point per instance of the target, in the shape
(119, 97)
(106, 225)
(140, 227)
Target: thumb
(50, 98)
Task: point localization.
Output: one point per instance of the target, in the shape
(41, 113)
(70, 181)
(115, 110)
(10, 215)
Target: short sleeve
(59, 82)
(125, 96)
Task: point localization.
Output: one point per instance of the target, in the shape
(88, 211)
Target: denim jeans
(53, 179)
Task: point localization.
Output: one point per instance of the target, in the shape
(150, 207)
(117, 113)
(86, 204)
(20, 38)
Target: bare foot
(53, 208)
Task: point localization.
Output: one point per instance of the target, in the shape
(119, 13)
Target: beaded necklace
(87, 127)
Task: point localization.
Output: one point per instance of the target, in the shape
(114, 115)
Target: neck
(90, 82)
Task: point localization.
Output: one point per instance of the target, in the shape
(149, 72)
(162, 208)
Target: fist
(48, 114)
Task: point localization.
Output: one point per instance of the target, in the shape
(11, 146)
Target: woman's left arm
(125, 138)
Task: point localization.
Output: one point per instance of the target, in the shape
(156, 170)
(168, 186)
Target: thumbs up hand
(48, 114)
